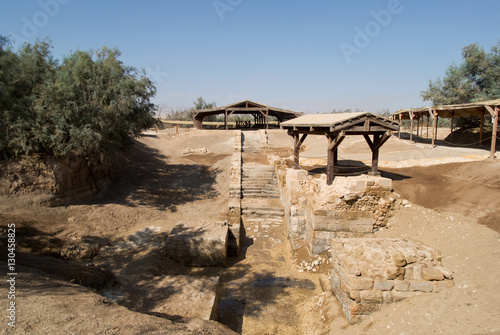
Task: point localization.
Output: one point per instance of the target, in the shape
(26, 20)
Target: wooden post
(411, 130)
(481, 128)
(399, 132)
(225, 119)
(494, 133)
(330, 162)
(427, 133)
(418, 126)
(332, 155)
(177, 129)
(451, 126)
(375, 148)
(296, 150)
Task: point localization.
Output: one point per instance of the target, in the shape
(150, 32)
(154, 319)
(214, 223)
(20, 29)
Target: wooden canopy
(490, 107)
(336, 127)
(260, 113)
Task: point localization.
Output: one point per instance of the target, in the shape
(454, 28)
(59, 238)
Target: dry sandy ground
(454, 208)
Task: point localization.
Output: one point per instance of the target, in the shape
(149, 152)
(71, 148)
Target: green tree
(200, 103)
(90, 105)
(476, 78)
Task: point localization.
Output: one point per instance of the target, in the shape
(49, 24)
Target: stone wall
(368, 273)
(316, 213)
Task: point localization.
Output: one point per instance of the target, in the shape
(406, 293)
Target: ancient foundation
(316, 213)
(368, 273)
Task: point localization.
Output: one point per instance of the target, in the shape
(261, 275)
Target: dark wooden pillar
(297, 143)
(332, 155)
(296, 150)
(481, 128)
(411, 130)
(267, 119)
(225, 119)
(494, 130)
(330, 162)
(378, 141)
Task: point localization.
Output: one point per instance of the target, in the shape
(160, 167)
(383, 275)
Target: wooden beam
(332, 145)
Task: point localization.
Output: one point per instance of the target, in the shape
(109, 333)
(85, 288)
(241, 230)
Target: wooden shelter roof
(336, 127)
(249, 107)
(449, 111)
(354, 123)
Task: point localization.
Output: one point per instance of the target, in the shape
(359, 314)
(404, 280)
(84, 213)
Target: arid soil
(453, 207)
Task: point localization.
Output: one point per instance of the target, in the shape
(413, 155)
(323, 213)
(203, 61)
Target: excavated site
(218, 232)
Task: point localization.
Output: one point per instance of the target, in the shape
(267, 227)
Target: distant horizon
(297, 55)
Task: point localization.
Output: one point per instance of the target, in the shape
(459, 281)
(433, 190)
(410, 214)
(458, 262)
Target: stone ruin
(368, 273)
(316, 213)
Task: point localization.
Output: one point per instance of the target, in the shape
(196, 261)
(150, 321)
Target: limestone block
(421, 286)
(185, 296)
(432, 274)
(198, 243)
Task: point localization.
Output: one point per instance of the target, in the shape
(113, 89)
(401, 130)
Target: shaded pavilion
(480, 109)
(336, 127)
(260, 113)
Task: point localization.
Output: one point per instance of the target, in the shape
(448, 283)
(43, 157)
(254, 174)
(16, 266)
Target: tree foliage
(476, 78)
(91, 104)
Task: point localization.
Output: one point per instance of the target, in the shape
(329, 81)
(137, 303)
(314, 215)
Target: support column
(225, 119)
(332, 155)
(330, 163)
(494, 132)
(481, 128)
(267, 119)
(451, 126)
(411, 130)
(297, 143)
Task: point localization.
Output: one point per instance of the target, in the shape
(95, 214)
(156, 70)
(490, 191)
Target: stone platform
(368, 273)
(184, 296)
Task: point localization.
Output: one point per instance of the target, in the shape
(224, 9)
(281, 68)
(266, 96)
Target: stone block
(383, 285)
(198, 243)
(432, 274)
(371, 296)
(185, 296)
(401, 285)
(420, 286)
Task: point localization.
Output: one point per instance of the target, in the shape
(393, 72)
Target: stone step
(258, 195)
(275, 214)
(263, 210)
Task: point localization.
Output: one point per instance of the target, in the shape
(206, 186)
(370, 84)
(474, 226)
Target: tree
(90, 105)
(476, 78)
(201, 104)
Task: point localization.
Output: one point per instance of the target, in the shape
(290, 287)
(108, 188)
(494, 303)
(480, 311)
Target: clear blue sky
(309, 56)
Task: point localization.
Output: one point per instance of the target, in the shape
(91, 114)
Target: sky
(310, 56)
